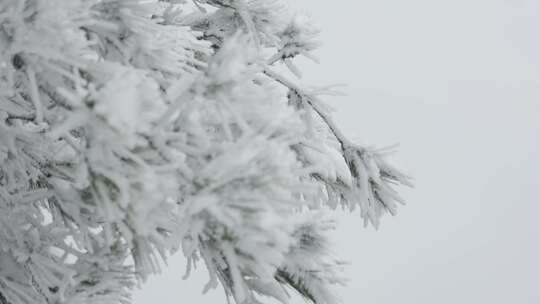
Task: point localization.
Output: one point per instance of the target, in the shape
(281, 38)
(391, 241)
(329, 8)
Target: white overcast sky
(457, 84)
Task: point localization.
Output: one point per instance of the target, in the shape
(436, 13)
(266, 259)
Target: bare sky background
(457, 83)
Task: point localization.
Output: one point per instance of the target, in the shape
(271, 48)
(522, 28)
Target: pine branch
(312, 101)
(284, 277)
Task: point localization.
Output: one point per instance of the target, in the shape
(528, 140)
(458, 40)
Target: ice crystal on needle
(131, 129)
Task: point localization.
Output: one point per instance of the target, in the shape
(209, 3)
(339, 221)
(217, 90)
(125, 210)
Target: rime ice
(132, 129)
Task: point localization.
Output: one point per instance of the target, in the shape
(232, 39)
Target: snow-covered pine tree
(132, 129)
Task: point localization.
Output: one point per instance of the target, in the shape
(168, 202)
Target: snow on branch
(372, 176)
(130, 130)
